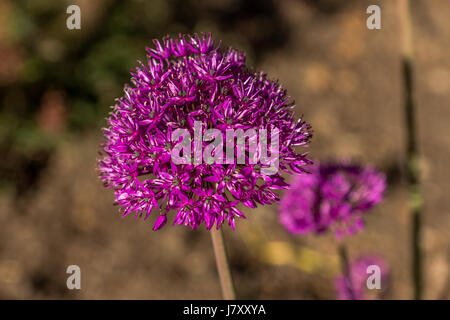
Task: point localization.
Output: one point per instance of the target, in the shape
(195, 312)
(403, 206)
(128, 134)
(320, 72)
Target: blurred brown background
(56, 86)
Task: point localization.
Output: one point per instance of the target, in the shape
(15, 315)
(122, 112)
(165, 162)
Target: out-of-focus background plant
(56, 86)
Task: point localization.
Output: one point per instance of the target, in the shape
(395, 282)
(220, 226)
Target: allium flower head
(359, 274)
(187, 80)
(334, 196)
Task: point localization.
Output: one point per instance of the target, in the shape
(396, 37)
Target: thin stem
(222, 264)
(345, 265)
(412, 154)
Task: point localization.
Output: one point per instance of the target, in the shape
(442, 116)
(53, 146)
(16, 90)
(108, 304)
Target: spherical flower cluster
(334, 196)
(360, 270)
(186, 80)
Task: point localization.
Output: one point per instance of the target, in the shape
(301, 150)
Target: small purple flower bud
(160, 222)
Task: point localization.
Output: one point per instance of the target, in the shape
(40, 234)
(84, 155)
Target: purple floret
(334, 196)
(185, 80)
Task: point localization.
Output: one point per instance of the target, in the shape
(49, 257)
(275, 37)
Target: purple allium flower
(334, 195)
(187, 80)
(359, 274)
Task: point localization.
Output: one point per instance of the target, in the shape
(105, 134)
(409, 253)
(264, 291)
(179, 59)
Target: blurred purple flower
(185, 80)
(359, 274)
(334, 196)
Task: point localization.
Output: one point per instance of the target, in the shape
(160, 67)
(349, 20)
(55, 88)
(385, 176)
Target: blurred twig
(412, 155)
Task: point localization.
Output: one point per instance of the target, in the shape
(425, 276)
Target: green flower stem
(345, 265)
(223, 268)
